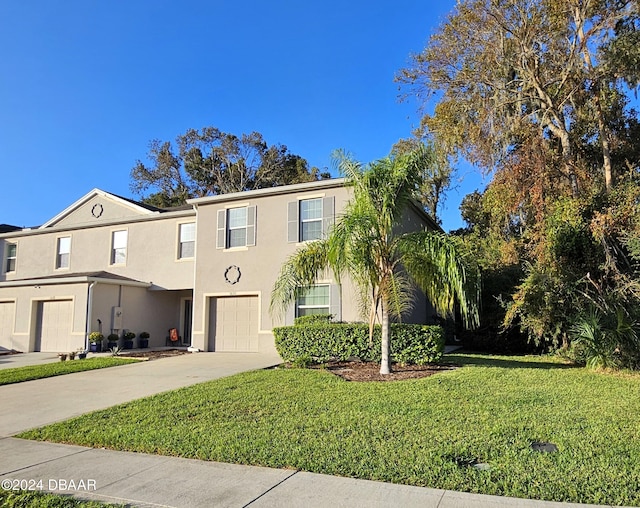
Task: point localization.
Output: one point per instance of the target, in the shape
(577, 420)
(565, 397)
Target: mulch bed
(154, 355)
(369, 371)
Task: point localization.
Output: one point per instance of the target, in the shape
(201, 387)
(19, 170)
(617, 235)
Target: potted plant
(82, 354)
(112, 340)
(95, 339)
(128, 340)
(143, 339)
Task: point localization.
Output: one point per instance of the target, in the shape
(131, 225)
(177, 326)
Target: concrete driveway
(36, 403)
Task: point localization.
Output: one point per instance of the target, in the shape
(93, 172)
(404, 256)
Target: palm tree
(384, 264)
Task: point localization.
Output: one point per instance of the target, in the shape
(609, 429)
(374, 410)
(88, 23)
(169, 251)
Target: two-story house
(110, 264)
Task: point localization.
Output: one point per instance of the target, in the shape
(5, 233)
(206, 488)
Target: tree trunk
(385, 362)
(606, 148)
(567, 157)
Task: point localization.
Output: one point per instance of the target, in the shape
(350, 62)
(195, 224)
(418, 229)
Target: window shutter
(335, 302)
(251, 226)
(222, 229)
(293, 229)
(290, 314)
(328, 214)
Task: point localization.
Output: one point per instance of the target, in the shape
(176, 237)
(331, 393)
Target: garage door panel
(234, 323)
(54, 333)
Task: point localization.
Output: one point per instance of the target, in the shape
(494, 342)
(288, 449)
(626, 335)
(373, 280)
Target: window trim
(229, 228)
(59, 265)
(302, 221)
(112, 253)
(327, 306)
(8, 258)
(222, 236)
(179, 254)
(294, 227)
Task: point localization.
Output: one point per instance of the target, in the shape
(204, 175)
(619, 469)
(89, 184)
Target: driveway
(44, 401)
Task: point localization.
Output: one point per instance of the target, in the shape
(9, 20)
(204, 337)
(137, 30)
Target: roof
(7, 228)
(73, 278)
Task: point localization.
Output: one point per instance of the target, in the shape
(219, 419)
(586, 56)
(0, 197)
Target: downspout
(191, 348)
(88, 316)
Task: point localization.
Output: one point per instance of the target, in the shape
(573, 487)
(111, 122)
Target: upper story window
(11, 257)
(119, 247)
(187, 244)
(63, 252)
(236, 227)
(309, 219)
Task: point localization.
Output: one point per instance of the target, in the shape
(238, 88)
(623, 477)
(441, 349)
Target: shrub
(411, 344)
(95, 337)
(313, 319)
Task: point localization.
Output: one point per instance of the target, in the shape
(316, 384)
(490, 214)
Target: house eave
(270, 191)
(72, 280)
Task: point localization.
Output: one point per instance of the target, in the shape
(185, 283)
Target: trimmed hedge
(410, 344)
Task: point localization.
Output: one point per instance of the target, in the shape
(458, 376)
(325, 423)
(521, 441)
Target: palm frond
(299, 271)
(399, 293)
(433, 261)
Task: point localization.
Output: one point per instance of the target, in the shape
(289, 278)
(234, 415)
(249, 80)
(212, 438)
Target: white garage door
(54, 327)
(233, 323)
(7, 313)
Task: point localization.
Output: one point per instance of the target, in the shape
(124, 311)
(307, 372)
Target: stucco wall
(154, 312)
(259, 265)
(152, 253)
(26, 300)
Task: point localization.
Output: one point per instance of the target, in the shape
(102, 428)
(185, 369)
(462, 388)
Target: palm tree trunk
(385, 362)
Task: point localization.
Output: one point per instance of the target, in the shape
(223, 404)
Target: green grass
(37, 499)
(30, 372)
(418, 432)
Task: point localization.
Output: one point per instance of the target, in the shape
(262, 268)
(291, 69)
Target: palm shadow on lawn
(512, 362)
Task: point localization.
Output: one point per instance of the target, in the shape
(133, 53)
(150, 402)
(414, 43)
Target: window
(314, 300)
(119, 247)
(12, 251)
(236, 227)
(310, 219)
(186, 248)
(64, 252)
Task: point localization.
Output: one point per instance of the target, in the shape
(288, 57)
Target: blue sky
(87, 84)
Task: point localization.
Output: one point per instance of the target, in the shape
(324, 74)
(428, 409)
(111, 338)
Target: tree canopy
(539, 94)
(208, 162)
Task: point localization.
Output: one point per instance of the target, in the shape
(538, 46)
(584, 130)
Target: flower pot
(128, 344)
(82, 356)
(143, 343)
(96, 347)
(112, 344)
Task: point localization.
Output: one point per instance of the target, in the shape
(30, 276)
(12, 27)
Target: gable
(98, 206)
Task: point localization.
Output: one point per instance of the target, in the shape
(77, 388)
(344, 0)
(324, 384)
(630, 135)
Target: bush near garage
(322, 341)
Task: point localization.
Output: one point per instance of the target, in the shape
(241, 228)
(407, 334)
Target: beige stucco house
(111, 264)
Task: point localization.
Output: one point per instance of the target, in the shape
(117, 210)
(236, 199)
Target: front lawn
(427, 432)
(30, 372)
(38, 499)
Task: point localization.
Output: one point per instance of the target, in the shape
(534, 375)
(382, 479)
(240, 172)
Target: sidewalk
(152, 480)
